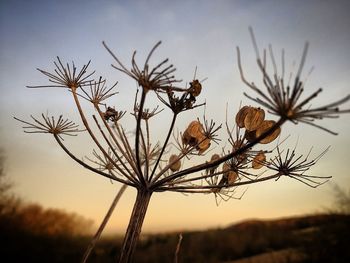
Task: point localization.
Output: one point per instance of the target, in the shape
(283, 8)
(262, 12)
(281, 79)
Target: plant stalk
(135, 224)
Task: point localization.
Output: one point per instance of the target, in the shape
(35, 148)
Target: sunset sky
(193, 33)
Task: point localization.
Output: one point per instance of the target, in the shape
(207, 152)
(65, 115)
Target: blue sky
(194, 33)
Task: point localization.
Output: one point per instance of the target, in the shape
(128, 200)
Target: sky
(202, 34)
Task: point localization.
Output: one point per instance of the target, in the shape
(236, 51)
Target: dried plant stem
(176, 258)
(163, 148)
(103, 224)
(137, 138)
(135, 224)
(119, 146)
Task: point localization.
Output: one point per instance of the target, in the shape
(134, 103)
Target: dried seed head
(264, 127)
(195, 88)
(240, 116)
(109, 166)
(258, 160)
(175, 163)
(254, 118)
(194, 136)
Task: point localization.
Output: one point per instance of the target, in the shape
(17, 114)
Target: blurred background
(41, 181)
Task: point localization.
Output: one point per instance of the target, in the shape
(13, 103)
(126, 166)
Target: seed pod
(214, 157)
(203, 145)
(195, 88)
(191, 134)
(175, 163)
(264, 127)
(258, 160)
(240, 116)
(195, 129)
(250, 135)
(230, 175)
(254, 118)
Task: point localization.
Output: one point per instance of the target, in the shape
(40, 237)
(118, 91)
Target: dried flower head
(180, 103)
(296, 167)
(50, 125)
(286, 101)
(146, 114)
(66, 76)
(158, 78)
(97, 91)
(104, 163)
(113, 115)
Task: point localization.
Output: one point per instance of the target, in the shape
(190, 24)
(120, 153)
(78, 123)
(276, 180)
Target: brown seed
(258, 160)
(214, 157)
(225, 168)
(192, 133)
(264, 127)
(175, 164)
(232, 177)
(195, 88)
(186, 138)
(229, 174)
(204, 144)
(240, 116)
(195, 129)
(254, 118)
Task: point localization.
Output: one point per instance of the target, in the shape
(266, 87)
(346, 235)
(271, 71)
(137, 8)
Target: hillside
(314, 238)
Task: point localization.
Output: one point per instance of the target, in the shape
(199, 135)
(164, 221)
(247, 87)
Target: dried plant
(135, 160)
